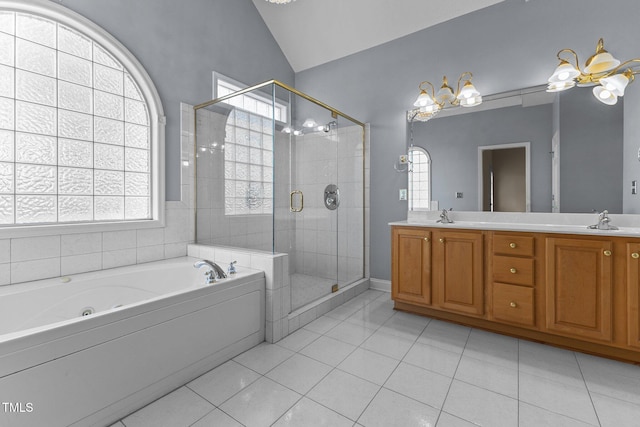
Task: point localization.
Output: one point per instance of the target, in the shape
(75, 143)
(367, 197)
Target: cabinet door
(458, 271)
(578, 273)
(633, 294)
(411, 265)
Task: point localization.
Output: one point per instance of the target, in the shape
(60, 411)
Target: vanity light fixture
(602, 70)
(428, 105)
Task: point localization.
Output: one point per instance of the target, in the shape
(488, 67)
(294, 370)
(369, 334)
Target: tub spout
(215, 272)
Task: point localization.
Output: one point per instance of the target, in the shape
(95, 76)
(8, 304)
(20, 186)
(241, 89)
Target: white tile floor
(364, 364)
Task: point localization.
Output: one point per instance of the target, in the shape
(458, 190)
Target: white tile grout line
(453, 378)
(586, 386)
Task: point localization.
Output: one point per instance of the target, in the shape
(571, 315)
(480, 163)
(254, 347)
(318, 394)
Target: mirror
(574, 161)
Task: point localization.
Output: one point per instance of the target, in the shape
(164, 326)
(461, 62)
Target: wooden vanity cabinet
(579, 287)
(512, 279)
(577, 291)
(633, 294)
(458, 271)
(411, 265)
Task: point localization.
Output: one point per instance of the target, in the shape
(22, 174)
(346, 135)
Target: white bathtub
(155, 327)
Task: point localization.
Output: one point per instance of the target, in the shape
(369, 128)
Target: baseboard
(380, 285)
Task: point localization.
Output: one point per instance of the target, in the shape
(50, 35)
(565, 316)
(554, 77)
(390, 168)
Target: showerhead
(328, 126)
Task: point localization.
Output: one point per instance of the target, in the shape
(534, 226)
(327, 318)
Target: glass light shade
(309, 123)
(468, 91)
(420, 115)
(423, 99)
(297, 132)
(472, 101)
(560, 86)
(445, 94)
(286, 129)
(605, 96)
(600, 63)
(430, 108)
(563, 73)
(616, 84)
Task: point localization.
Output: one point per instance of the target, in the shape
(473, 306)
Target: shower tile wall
(34, 258)
(325, 237)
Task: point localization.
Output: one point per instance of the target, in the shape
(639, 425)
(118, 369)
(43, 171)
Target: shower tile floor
(364, 364)
(305, 289)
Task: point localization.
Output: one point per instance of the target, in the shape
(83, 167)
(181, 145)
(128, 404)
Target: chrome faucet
(215, 273)
(444, 217)
(603, 222)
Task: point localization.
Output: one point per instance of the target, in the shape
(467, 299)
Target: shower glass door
(314, 198)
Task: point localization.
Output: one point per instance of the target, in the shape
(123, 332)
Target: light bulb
(604, 94)
(563, 75)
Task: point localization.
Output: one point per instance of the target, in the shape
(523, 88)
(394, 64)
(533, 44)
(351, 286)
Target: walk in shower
(280, 171)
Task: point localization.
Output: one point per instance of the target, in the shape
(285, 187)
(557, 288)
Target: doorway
(504, 178)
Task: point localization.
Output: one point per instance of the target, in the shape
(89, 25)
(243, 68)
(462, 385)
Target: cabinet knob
(512, 245)
(635, 255)
(426, 239)
(607, 253)
(441, 240)
(513, 271)
(513, 304)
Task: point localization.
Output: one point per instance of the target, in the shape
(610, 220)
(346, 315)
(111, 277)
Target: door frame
(527, 163)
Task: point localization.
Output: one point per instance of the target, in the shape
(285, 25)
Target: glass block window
(74, 128)
(419, 179)
(248, 163)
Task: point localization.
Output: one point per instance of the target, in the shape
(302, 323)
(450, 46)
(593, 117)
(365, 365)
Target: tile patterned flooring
(363, 364)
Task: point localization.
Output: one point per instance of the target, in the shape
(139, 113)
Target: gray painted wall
(507, 46)
(180, 43)
(590, 153)
(452, 143)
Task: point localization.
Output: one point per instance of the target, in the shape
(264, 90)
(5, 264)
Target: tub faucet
(603, 222)
(214, 273)
(444, 217)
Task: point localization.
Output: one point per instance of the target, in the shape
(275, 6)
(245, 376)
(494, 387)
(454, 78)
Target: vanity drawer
(512, 244)
(518, 271)
(513, 304)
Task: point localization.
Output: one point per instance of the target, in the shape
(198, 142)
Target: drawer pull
(513, 304)
(635, 255)
(426, 239)
(513, 271)
(441, 240)
(512, 245)
(607, 253)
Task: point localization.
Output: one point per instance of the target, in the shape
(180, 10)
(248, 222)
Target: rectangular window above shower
(250, 102)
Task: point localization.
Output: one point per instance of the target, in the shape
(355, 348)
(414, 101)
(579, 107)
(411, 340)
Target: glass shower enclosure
(280, 171)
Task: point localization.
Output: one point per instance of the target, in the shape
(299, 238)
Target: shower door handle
(291, 196)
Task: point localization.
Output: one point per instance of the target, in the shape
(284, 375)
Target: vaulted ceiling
(313, 32)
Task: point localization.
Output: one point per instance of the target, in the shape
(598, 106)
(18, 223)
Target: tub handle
(232, 268)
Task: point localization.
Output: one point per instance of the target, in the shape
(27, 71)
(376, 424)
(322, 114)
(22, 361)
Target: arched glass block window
(419, 179)
(80, 122)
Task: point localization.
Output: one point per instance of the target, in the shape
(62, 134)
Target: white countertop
(628, 225)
